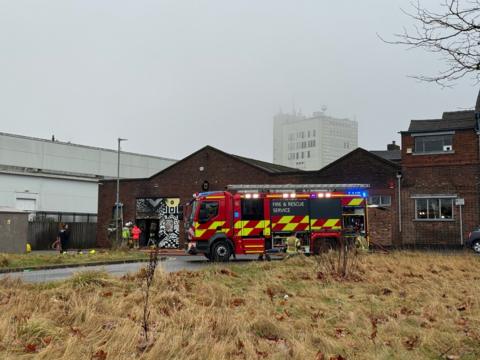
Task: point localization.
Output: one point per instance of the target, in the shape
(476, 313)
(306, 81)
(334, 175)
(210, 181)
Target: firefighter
(293, 245)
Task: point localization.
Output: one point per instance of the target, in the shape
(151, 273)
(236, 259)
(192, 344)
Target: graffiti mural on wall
(166, 210)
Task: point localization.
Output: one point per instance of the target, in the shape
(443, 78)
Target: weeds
(148, 279)
(283, 311)
(89, 278)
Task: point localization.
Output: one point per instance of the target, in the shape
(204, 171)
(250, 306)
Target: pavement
(170, 264)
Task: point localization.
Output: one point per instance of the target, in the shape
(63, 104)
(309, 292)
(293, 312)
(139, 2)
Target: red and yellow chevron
(290, 223)
(207, 230)
(252, 227)
(353, 201)
(325, 224)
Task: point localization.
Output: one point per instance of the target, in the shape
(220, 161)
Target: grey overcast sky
(174, 76)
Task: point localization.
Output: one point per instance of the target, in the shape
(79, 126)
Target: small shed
(13, 230)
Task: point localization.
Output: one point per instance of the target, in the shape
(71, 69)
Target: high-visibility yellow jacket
(293, 245)
(125, 233)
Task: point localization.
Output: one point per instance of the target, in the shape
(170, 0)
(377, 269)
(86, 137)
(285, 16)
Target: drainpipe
(399, 196)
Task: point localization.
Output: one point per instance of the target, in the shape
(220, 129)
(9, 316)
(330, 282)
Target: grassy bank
(397, 306)
(36, 259)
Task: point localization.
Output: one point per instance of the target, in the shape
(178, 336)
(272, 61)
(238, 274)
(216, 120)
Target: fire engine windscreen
(191, 209)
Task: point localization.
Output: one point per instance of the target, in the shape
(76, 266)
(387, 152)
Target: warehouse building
(57, 181)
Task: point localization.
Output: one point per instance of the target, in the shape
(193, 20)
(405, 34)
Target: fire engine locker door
(251, 227)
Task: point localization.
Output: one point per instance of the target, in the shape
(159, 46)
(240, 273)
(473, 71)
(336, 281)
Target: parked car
(473, 241)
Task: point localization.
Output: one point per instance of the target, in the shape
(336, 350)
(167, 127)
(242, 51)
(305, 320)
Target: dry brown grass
(397, 306)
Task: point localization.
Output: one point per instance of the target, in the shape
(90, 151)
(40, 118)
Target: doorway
(149, 235)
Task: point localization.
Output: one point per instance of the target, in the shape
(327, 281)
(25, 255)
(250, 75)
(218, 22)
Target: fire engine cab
(256, 219)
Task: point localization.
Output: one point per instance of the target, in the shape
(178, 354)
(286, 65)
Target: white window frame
(380, 202)
(434, 197)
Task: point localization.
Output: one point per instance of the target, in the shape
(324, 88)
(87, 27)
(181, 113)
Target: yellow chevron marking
(260, 225)
(285, 219)
(241, 224)
(355, 202)
(290, 227)
(305, 220)
(199, 233)
(330, 223)
(225, 231)
(246, 231)
(216, 224)
(316, 228)
(266, 232)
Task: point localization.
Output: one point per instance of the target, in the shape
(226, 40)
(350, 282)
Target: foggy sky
(173, 76)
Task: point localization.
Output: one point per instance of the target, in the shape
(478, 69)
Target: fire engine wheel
(221, 252)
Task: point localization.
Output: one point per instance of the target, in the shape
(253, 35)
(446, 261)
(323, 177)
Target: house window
(380, 200)
(308, 154)
(433, 143)
(434, 209)
(314, 133)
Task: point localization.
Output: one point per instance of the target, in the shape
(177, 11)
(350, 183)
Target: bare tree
(453, 32)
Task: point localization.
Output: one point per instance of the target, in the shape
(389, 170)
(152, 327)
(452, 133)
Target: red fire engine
(256, 219)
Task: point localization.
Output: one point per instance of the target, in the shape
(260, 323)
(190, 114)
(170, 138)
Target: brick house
(440, 166)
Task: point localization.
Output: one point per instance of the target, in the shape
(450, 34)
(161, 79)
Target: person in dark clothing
(63, 236)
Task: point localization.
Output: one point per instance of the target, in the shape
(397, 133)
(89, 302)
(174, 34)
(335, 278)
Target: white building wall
(51, 176)
(314, 142)
(49, 194)
(35, 153)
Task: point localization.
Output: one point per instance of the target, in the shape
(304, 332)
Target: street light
(117, 204)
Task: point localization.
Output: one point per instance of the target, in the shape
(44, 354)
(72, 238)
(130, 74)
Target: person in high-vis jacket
(125, 235)
(293, 245)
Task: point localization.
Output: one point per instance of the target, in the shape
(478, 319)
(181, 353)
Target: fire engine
(256, 219)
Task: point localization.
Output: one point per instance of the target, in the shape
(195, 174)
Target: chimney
(393, 146)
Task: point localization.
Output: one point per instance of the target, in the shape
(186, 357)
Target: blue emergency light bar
(357, 192)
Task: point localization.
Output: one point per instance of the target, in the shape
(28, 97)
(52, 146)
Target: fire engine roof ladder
(296, 187)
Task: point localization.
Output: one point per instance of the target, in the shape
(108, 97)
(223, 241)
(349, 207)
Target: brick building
(365, 167)
(440, 166)
(147, 200)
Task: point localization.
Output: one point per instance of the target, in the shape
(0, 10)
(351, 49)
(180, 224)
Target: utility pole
(117, 203)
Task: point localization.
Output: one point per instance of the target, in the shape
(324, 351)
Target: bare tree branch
(454, 33)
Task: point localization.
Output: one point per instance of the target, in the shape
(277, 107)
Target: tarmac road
(171, 264)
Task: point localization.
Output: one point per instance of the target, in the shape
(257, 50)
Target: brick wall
(447, 174)
(185, 178)
(180, 180)
(361, 167)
